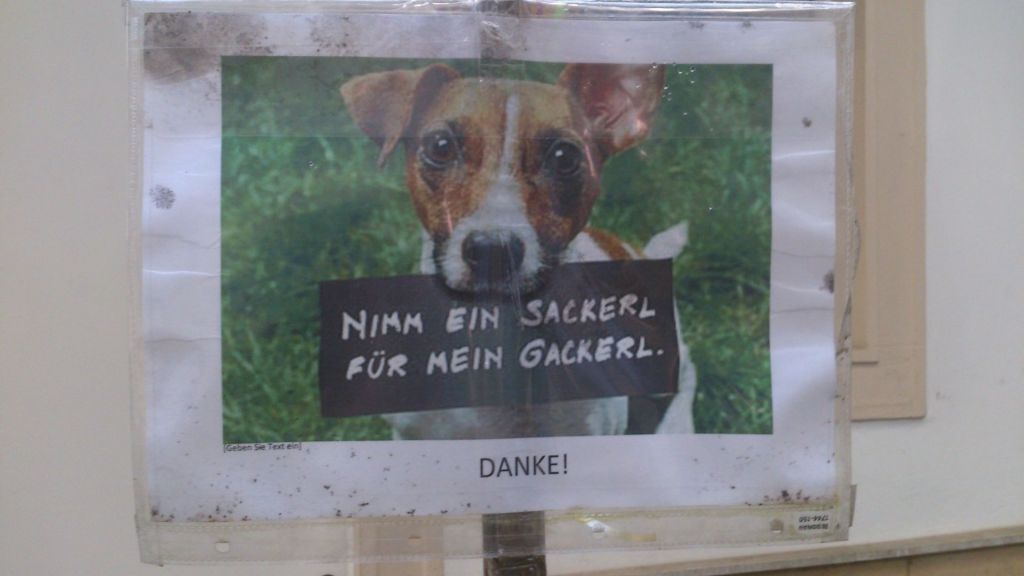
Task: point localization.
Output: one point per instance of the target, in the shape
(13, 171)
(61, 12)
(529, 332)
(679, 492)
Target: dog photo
(409, 183)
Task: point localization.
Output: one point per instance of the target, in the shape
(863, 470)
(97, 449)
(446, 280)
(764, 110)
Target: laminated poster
(411, 267)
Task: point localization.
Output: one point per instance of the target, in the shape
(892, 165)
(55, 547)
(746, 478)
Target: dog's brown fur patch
(609, 244)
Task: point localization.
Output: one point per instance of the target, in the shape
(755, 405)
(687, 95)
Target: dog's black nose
(492, 257)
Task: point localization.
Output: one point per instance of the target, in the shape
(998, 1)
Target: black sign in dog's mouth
(411, 343)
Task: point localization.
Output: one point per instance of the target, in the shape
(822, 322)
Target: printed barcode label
(815, 522)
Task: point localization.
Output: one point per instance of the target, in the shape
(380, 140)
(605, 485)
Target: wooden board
(889, 179)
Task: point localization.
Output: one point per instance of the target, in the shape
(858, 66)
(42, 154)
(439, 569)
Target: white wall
(963, 467)
(65, 470)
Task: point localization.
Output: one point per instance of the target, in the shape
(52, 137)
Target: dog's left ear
(384, 104)
(618, 100)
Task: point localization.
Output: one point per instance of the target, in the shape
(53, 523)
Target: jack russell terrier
(503, 175)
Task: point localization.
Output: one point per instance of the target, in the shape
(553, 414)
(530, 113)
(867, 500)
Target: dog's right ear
(385, 104)
(619, 100)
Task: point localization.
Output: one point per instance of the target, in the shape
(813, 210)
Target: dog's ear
(618, 100)
(384, 104)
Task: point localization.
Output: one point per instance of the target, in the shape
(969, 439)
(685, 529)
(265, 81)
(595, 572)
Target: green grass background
(302, 201)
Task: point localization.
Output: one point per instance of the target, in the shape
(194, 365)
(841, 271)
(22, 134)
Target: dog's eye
(564, 159)
(439, 149)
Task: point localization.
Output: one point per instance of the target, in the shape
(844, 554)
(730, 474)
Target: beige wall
(65, 471)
